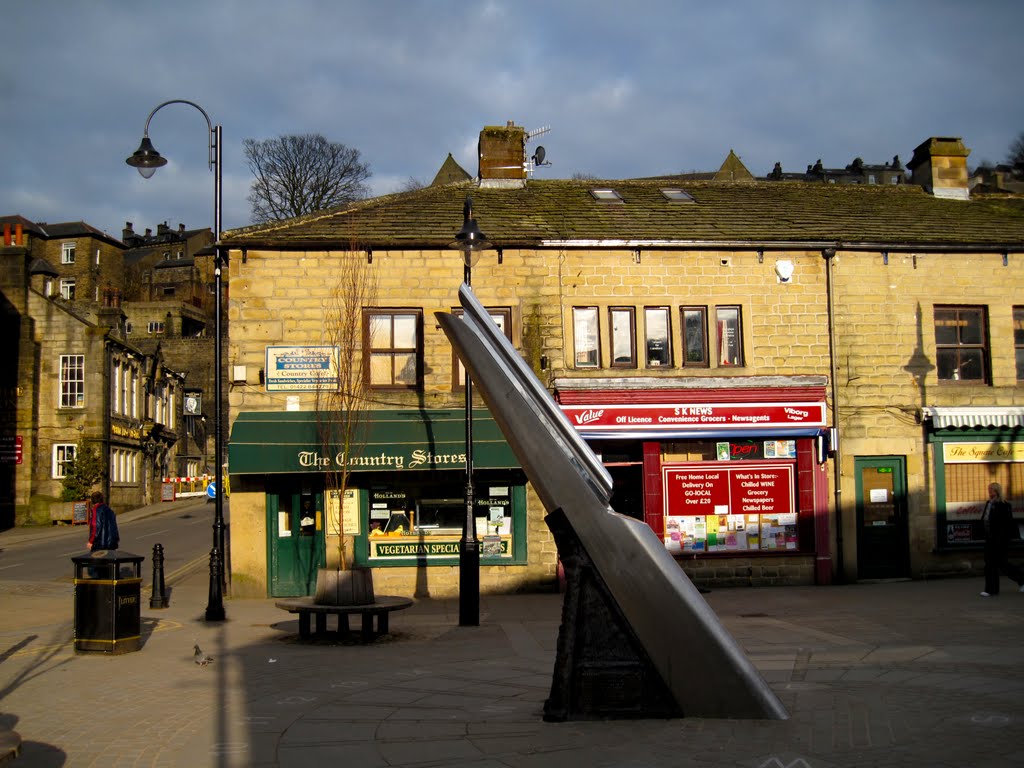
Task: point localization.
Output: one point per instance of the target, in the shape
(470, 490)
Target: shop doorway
(883, 542)
(295, 522)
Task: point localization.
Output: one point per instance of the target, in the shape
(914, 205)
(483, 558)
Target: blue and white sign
(300, 369)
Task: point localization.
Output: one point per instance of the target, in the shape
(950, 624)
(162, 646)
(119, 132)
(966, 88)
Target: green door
(295, 522)
(883, 541)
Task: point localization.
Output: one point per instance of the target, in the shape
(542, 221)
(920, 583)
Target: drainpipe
(837, 469)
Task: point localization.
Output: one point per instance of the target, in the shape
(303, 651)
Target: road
(185, 533)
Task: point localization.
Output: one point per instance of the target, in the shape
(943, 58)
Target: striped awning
(946, 418)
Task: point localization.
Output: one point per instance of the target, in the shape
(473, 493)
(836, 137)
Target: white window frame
(71, 393)
(67, 253)
(62, 454)
(67, 288)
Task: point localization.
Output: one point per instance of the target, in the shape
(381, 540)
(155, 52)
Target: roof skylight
(607, 195)
(678, 195)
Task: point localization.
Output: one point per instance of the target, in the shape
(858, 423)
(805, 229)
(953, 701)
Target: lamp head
(469, 238)
(146, 159)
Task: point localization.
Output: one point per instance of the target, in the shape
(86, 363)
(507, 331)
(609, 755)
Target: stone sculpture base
(601, 668)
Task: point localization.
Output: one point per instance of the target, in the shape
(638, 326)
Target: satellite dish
(539, 155)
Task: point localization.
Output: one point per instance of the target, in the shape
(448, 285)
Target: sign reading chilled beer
(745, 506)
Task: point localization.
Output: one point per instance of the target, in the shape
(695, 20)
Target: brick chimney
(940, 166)
(500, 152)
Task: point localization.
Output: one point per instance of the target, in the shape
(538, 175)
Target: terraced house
(791, 382)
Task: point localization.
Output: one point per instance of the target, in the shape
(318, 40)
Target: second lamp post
(470, 240)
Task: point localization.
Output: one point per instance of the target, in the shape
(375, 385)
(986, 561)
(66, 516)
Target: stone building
(86, 364)
(782, 379)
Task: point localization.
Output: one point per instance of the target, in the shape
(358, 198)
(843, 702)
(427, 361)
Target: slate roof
(549, 212)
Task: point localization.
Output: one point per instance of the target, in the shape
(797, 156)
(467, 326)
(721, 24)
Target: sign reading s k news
(674, 417)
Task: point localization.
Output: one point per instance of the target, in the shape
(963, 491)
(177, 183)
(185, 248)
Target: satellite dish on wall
(539, 155)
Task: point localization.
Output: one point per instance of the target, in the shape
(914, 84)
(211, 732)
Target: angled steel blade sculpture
(702, 670)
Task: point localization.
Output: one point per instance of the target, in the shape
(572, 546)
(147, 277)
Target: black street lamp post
(470, 240)
(146, 159)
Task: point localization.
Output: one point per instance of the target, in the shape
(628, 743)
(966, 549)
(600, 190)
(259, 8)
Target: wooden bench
(380, 608)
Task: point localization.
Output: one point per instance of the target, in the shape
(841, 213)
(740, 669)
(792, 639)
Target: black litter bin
(107, 586)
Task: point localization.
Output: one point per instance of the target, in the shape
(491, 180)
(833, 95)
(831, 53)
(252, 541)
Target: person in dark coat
(1000, 528)
(106, 535)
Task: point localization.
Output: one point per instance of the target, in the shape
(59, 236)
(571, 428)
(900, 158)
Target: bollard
(158, 598)
(215, 606)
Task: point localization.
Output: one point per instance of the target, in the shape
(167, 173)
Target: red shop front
(732, 479)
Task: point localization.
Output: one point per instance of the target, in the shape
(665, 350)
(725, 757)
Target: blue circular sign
(211, 490)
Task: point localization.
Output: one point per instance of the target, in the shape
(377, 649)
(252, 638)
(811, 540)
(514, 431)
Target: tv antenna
(537, 159)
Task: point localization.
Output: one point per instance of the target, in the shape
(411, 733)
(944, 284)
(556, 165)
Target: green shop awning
(386, 440)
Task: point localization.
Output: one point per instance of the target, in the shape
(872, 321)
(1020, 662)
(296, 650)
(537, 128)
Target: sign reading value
(677, 416)
(750, 488)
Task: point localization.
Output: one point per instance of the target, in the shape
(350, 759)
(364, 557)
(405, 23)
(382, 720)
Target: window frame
(458, 371)
(67, 288)
(666, 311)
(705, 360)
(67, 252)
(58, 466)
(719, 336)
(614, 358)
(943, 348)
(1018, 340)
(370, 351)
(591, 347)
(71, 391)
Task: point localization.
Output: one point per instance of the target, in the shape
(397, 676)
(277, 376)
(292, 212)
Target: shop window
(966, 485)
(730, 336)
(67, 253)
(695, 335)
(623, 336)
(502, 317)
(961, 347)
(586, 337)
(1018, 340)
(67, 288)
(72, 381)
(63, 456)
(393, 348)
(726, 506)
(657, 337)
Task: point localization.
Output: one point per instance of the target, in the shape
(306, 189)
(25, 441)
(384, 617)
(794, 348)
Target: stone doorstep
(10, 746)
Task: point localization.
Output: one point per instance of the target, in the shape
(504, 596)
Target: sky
(628, 89)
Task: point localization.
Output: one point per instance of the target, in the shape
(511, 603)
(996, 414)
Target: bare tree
(294, 175)
(341, 396)
(1016, 156)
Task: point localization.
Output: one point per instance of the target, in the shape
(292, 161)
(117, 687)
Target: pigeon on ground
(201, 658)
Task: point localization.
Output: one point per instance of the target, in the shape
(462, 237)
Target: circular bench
(380, 609)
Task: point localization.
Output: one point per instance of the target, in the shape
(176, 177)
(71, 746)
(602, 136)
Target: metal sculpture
(637, 638)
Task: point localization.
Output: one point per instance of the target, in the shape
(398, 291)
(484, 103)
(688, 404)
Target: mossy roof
(544, 212)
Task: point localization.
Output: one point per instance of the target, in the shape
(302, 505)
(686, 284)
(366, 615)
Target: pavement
(915, 674)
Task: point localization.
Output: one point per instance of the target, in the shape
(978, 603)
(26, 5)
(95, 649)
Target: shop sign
(382, 547)
(700, 489)
(970, 453)
(673, 416)
(300, 369)
(415, 459)
(120, 430)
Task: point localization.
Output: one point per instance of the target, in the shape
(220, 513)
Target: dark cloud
(628, 89)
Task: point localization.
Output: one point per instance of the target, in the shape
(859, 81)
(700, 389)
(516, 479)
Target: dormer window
(607, 195)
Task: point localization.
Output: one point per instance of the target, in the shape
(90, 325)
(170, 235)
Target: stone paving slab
(911, 674)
